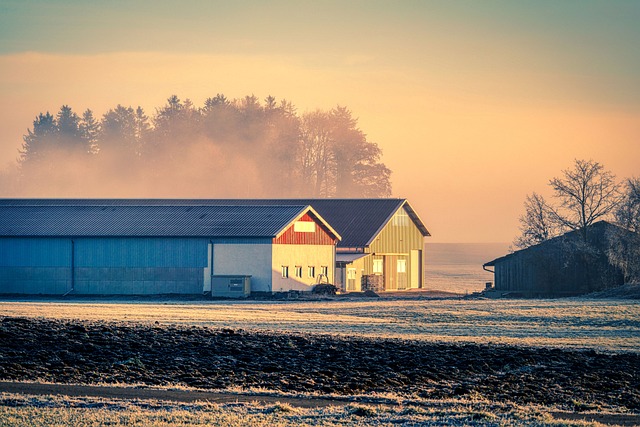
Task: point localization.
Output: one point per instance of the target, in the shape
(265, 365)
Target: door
(390, 272)
(351, 279)
(416, 269)
(401, 268)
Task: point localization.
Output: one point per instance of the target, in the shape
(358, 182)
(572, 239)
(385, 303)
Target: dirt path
(188, 396)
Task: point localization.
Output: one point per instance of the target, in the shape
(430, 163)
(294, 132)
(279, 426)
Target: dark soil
(93, 352)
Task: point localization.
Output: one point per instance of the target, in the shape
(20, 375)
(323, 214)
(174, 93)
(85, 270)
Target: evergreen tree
(142, 129)
(90, 130)
(220, 120)
(176, 123)
(217, 101)
(40, 141)
(270, 103)
(118, 132)
(69, 134)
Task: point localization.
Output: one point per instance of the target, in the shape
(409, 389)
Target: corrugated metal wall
(35, 266)
(102, 265)
(140, 265)
(140, 252)
(399, 237)
(34, 252)
(555, 268)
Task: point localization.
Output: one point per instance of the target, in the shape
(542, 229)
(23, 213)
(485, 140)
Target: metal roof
(598, 228)
(349, 257)
(358, 221)
(167, 220)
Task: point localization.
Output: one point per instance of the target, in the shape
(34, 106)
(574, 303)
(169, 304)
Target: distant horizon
(466, 243)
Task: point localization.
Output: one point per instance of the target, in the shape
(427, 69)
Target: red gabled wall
(320, 237)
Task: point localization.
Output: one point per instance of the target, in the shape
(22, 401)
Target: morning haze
(423, 142)
(223, 149)
(472, 106)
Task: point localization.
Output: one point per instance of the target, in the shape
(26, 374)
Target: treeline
(226, 148)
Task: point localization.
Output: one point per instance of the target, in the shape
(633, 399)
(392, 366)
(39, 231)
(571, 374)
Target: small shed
(563, 266)
(61, 247)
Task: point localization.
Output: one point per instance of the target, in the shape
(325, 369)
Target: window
(285, 271)
(377, 266)
(298, 271)
(312, 271)
(304, 227)
(324, 270)
(402, 266)
(401, 218)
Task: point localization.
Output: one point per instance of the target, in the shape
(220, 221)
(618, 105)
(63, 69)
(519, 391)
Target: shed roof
(134, 220)
(597, 232)
(358, 221)
(348, 258)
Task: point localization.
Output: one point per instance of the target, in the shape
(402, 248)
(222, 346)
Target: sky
(474, 104)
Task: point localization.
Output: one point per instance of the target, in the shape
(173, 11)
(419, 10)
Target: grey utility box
(230, 286)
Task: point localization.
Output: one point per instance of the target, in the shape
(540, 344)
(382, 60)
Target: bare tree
(587, 193)
(628, 211)
(317, 156)
(537, 224)
(624, 250)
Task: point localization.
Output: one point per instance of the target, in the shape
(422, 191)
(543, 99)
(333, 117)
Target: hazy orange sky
(475, 104)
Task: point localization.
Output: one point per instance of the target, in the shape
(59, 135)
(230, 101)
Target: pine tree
(39, 141)
(90, 131)
(142, 129)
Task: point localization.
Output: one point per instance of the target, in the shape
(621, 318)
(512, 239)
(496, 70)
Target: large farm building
(220, 247)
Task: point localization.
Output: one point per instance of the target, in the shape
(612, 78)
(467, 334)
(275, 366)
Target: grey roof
(170, 220)
(349, 257)
(358, 221)
(597, 237)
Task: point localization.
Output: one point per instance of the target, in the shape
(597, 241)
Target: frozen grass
(606, 325)
(22, 411)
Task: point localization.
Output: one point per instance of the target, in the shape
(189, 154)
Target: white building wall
(303, 256)
(358, 268)
(244, 259)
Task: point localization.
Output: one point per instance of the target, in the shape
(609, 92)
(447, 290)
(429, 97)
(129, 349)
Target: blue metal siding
(139, 281)
(102, 265)
(35, 252)
(141, 252)
(35, 280)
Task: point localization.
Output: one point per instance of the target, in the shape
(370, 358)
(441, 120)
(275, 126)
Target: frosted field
(606, 325)
(26, 411)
